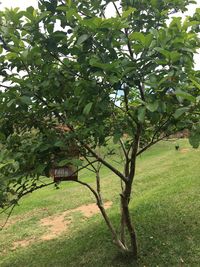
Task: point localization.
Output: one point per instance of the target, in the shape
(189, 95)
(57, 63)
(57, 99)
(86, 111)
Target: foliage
(130, 77)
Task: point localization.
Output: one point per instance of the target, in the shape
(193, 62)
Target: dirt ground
(57, 224)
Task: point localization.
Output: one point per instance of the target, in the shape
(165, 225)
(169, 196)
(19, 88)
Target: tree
(129, 78)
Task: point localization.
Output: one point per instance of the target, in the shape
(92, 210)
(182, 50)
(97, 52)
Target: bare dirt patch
(22, 243)
(57, 224)
(21, 218)
(91, 209)
(184, 150)
(6, 225)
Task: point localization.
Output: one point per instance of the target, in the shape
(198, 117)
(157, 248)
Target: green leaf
(63, 162)
(152, 106)
(82, 39)
(162, 51)
(59, 143)
(194, 81)
(2, 165)
(29, 13)
(2, 137)
(76, 162)
(179, 112)
(185, 95)
(141, 114)
(9, 104)
(198, 98)
(174, 56)
(128, 12)
(69, 2)
(137, 36)
(26, 100)
(194, 137)
(187, 23)
(62, 8)
(40, 168)
(105, 66)
(148, 39)
(154, 3)
(116, 137)
(43, 15)
(87, 108)
(30, 9)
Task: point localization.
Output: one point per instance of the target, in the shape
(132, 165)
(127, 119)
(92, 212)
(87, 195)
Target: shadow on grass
(164, 238)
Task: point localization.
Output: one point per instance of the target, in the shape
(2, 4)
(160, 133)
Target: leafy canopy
(68, 64)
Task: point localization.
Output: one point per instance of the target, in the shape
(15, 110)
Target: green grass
(165, 208)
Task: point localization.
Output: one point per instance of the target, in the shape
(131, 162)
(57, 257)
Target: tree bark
(125, 196)
(130, 226)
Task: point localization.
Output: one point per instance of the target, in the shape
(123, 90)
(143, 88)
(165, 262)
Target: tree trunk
(110, 226)
(129, 225)
(122, 225)
(125, 196)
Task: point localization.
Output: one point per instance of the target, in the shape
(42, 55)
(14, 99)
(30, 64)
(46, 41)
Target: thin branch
(126, 32)
(105, 163)
(153, 141)
(94, 169)
(156, 141)
(115, 6)
(20, 195)
(8, 217)
(149, 145)
(124, 149)
(105, 216)
(133, 156)
(89, 187)
(98, 183)
(129, 44)
(5, 86)
(127, 112)
(57, 58)
(4, 44)
(84, 167)
(141, 89)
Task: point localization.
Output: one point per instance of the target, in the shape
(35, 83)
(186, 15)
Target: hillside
(57, 227)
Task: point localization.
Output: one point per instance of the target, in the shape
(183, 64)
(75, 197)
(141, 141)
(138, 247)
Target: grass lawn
(165, 207)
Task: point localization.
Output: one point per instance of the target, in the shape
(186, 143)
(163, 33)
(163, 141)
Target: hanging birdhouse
(67, 172)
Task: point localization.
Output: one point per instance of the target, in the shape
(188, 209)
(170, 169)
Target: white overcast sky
(23, 4)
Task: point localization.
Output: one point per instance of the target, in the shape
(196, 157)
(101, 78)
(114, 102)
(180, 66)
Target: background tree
(129, 78)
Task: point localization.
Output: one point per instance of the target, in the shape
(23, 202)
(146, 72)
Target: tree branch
(126, 32)
(20, 195)
(105, 163)
(124, 149)
(153, 141)
(105, 216)
(141, 89)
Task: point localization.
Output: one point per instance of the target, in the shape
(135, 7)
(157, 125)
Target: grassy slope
(165, 208)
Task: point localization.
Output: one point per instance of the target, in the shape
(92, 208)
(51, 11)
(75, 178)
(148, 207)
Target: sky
(22, 4)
